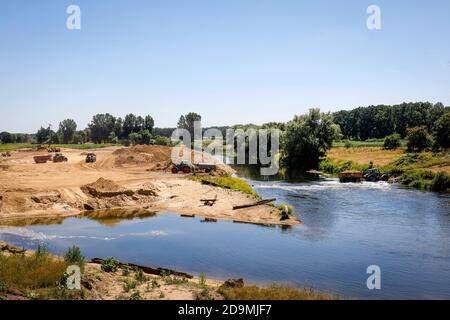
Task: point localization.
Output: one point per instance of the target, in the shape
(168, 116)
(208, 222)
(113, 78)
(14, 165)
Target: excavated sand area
(122, 177)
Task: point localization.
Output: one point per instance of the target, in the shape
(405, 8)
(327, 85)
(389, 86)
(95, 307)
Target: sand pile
(154, 157)
(105, 188)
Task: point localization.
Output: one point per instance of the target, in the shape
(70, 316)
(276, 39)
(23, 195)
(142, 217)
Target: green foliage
(392, 141)
(139, 275)
(441, 182)
(30, 272)
(110, 265)
(74, 256)
(336, 167)
(136, 296)
(162, 141)
(418, 139)
(290, 208)
(442, 131)
(101, 127)
(67, 129)
(383, 120)
(187, 122)
(306, 140)
(6, 137)
(227, 183)
(202, 280)
(129, 285)
(419, 179)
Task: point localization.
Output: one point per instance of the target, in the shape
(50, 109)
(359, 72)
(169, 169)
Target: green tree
(187, 122)
(43, 135)
(67, 129)
(129, 125)
(101, 126)
(418, 139)
(306, 140)
(6, 137)
(135, 138)
(392, 141)
(442, 131)
(149, 123)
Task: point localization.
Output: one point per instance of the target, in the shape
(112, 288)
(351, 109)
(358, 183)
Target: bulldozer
(59, 157)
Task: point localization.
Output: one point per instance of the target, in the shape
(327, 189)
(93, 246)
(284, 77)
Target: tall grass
(273, 292)
(36, 271)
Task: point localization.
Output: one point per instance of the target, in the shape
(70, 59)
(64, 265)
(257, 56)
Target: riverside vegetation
(40, 275)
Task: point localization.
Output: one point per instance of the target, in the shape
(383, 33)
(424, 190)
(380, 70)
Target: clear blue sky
(232, 61)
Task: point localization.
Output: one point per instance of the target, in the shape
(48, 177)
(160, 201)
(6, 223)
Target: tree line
(376, 122)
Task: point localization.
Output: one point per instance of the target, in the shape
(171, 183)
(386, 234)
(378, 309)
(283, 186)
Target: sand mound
(105, 188)
(156, 157)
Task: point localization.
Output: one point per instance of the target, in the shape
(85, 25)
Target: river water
(347, 227)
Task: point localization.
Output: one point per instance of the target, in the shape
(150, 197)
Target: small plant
(175, 280)
(125, 271)
(128, 285)
(286, 207)
(136, 296)
(74, 256)
(202, 280)
(110, 265)
(139, 276)
(347, 144)
(3, 287)
(162, 295)
(155, 284)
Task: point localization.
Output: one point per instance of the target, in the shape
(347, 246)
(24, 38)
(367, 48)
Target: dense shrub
(441, 182)
(442, 131)
(418, 139)
(392, 142)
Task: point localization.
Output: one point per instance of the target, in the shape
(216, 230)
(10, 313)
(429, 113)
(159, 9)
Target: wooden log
(259, 203)
(149, 270)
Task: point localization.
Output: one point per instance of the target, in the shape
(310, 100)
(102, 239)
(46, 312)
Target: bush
(441, 182)
(110, 265)
(74, 256)
(162, 141)
(442, 131)
(418, 139)
(392, 142)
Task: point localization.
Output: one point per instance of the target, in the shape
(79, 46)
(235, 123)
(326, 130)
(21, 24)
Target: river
(347, 227)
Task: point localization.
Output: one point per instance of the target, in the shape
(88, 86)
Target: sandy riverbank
(137, 177)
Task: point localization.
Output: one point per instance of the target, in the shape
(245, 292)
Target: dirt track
(130, 177)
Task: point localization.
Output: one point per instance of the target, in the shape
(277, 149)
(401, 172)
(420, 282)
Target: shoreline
(126, 178)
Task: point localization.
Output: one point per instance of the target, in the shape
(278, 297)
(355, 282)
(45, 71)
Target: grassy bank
(42, 276)
(86, 146)
(226, 183)
(426, 170)
(273, 292)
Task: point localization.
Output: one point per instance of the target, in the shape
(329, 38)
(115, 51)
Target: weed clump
(110, 265)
